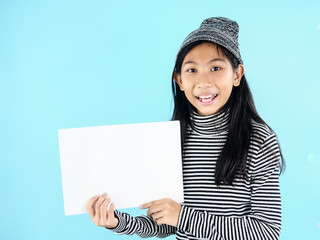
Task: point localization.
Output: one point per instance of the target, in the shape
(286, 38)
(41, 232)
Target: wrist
(114, 225)
(121, 222)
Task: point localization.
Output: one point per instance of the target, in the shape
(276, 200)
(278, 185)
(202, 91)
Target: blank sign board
(133, 163)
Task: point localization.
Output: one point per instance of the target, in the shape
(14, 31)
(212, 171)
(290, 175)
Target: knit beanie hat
(219, 30)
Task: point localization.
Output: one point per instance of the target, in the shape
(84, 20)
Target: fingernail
(140, 206)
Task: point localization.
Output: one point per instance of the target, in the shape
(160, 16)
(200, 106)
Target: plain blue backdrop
(66, 64)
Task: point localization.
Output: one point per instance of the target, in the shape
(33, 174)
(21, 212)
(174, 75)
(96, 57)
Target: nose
(204, 81)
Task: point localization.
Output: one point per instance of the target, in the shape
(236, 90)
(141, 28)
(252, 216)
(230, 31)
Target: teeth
(207, 98)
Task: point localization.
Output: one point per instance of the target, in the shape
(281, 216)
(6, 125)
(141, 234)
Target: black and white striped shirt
(249, 209)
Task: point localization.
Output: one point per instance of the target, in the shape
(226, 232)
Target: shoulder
(261, 134)
(260, 130)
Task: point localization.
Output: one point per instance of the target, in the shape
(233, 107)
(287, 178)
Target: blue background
(66, 64)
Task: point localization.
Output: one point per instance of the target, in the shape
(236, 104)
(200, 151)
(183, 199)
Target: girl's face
(207, 78)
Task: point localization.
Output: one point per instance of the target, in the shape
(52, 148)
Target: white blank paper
(133, 163)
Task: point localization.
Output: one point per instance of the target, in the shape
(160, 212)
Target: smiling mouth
(207, 98)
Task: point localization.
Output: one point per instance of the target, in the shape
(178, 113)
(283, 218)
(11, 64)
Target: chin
(206, 113)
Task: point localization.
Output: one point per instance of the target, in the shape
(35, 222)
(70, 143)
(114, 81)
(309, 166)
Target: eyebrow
(212, 60)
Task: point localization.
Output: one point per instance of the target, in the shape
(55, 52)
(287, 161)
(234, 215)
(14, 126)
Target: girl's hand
(97, 209)
(163, 211)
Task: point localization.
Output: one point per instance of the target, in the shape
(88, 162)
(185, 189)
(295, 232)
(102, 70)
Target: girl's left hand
(163, 211)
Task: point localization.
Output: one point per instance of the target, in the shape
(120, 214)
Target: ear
(238, 73)
(177, 78)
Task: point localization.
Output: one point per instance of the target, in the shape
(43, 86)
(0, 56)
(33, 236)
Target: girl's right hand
(97, 209)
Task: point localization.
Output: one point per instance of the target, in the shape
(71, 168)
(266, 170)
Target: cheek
(226, 90)
(186, 84)
(189, 94)
(188, 91)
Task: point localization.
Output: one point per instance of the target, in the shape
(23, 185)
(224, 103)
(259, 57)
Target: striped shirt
(249, 209)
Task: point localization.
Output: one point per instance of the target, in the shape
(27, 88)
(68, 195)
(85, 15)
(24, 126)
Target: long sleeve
(264, 220)
(143, 226)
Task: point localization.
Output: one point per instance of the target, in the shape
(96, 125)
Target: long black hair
(242, 111)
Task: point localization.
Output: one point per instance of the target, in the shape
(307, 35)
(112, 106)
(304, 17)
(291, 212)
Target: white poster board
(133, 163)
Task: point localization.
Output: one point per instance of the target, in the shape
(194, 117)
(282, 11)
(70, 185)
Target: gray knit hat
(219, 30)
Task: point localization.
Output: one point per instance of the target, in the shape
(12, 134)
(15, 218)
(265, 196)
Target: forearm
(204, 225)
(143, 226)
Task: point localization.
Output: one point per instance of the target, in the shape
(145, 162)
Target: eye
(192, 70)
(215, 69)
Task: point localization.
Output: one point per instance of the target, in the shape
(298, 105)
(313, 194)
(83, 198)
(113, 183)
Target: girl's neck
(211, 124)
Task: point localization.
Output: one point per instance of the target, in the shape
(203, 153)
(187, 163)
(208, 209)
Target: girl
(231, 157)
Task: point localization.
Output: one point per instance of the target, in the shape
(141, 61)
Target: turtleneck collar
(211, 124)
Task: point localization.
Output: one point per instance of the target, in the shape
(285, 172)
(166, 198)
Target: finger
(101, 199)
(111, 211)
(160, 221)
(103, 210)
(157, 216)
(154, 208)
(145, 205)
(90, 208)
(149, 204)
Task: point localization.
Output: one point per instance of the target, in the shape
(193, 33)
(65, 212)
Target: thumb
(111, 210)
(112, 220)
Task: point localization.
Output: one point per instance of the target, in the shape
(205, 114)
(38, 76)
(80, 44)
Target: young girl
(231, 157)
